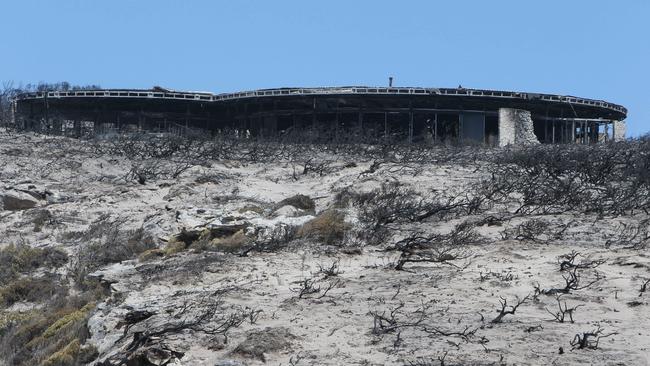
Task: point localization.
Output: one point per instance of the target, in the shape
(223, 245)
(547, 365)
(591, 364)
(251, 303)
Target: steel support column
(435, 128)
(410, 139)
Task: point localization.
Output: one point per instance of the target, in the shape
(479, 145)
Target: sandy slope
(337, 328)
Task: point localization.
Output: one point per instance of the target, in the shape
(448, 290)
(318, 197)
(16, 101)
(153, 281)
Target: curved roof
(494, 95)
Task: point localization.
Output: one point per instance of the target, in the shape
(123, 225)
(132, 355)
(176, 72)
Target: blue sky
(594, 49)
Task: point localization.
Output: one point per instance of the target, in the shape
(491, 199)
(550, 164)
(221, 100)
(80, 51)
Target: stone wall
(516, 127)
(619, 130)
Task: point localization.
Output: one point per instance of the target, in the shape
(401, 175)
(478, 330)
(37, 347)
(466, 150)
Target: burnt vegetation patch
(607, 179)
(51, 326)
(426, 239)
(107, 240)
(20, 259)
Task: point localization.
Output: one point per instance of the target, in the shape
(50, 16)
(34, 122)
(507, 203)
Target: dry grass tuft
(68, 321)
(174, 246)
(227, 238)
(329, 227)
(232, 243)
(66, 356)
(151, 254)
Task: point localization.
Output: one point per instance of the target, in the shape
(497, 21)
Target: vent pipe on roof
(390, 81)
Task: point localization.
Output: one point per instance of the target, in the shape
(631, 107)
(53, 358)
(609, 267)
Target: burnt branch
(394, 203)
(631, 236)
(589, 340)
(332, 270)
(387, 321)
(644, 286)
(567, 262)
(573, 282)
(308, 287)
(331, 285)
(436, 248)
(321, 168)
(305, 287)
(562, 312)
(465, 334)
(508, 309)
(205, 316)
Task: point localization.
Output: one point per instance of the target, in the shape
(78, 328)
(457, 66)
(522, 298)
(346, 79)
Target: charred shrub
(394, 203)
(631, 235)
(21, 258)
(605, 179)
(29, 289)
(42, 218)
(299, 201)
(106, 242)
(436, 247)
(52, 336)
(536, 230)
(153, 170)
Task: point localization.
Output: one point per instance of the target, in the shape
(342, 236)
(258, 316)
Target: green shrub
(44, 337)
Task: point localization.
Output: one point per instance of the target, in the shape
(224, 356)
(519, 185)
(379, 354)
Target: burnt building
(365, 114)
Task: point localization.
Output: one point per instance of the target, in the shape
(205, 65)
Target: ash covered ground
(161, 250)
